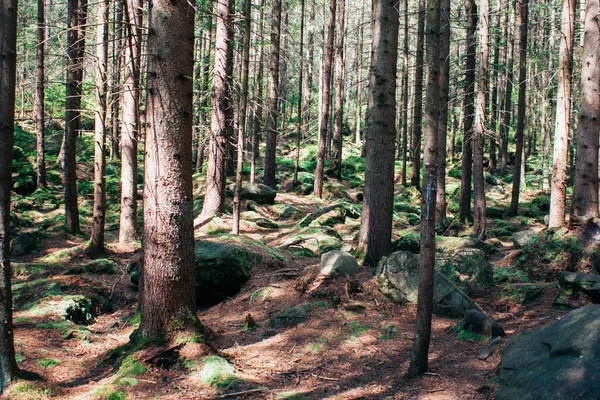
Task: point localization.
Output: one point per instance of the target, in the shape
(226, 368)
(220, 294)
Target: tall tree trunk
(325, 101)
(272, 108)
(258, 115)
(300, 96)
(242, 116)
(420, 349)
(359, 64)
(205, 95)
(415, 177)
(469, 111)
(494, 96)
(585, 185)
(563, 116)
(507, 109)
(479, 223)
(338, 113)
(131, 120)
(168, 277)
(521, 108)
(214, 198)
(405, 96)
(308, 82)
(115, 92)
(375, 234)
(38, 108)
(8, 72)
(443, 111)
(282, 86)
(76, 21)
(99, 213)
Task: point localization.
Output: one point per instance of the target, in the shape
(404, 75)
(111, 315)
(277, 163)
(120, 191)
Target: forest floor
(357, 349)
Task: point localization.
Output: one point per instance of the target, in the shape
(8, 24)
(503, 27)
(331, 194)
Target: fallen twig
(325, 378)
(435, 390)
(226, 395)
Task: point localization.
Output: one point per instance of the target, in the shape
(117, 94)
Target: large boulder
(262, 194)
(398, 278)
(589, 284)
(24, 244)
(337, 262)
(557, 362)
(523, 238)
(326, 216)
(313, 240)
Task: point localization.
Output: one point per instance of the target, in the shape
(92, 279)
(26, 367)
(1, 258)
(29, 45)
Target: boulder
(337, 262)
(314, 240)
(492, 180)
(452, 244)
(477, 322)
(398, 278)
(286, 212)
(523, 238)
(589, 284)
(23, 244)
(557, 362)
(326, 216)
(262, 194)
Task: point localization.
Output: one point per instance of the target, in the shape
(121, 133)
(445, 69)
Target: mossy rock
(262, 194)
(100, 266)
(25, 243)
(317, 239)
(217, 372)
(326, 216)
(78, 309)
(407, 243)
(286, 212)
(451, 244)
(291, 316)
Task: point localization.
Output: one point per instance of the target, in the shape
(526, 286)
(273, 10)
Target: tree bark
(405, 96)
(359, 66)
(507, 109)
(214, 198)
(521, 108)
(168, 277)
(308, 82)
(585, 185)
(375, 235)
(415, 177)
(38, 108)
(443, 111)
(99, 213)
(420, 349)
(76, 21)
(272, 106)
(558, 190)
(494, 96)
(258, 115)
(117, 48)
(325, 101)
(338, 113)
(300, 96)
(8, 67)
(469, 111)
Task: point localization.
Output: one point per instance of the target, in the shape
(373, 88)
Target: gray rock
(589, 284)
(23, 244)
(492, 180)
(316, 239)
(262, 194)
(523, 238)
(286, 212)
(398, 278)
(337, 262)
(478, 322)
(554, 363)
(327, 216)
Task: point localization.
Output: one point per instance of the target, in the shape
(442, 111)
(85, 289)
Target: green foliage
(126, 381)
(48, 362)
(217, 372)
(130, 366)
(467, 335)
(26, 390)
(291, 396)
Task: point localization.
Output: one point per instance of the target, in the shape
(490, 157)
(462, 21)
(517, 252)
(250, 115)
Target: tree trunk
(405, 96)
(214, 198)
(168, 277)
(99, 213)
(420, 349)
(117, 48)
(300, 96)
(131, 120)
(76, 21)
(338, 113)
(8, 52)
(205, 94)
(585, 185)
(272, 108)
(563, 116)
(506, 110)
(494, 97)
(415, 177)
(308, 82)
(479, 223)
(38, 108)
(242, 116)
(359, 64)
(259, 98)
(443, 111)
(375, 234)
(521, 108)
(469, 111)
(325, 101)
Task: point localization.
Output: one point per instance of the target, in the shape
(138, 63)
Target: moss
(48, 362)
(100, 266)
(291, 396)
(130, 366)
(217, 372)
(32, 391)
(466, 335)
(126, 381)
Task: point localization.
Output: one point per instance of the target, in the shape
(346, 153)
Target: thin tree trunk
(479, 223)
(272, 106)
(469, 111)
(214, 198)
(38, 108)
(205, 95)
(507, 109)
(99, 213)
(563, 116)
(325, 101)
(300, 96)
(131, 120)
(405, 96)
(259, 98)
(242, 116)
(117, 47)
(443, 111)
(77, 15)
(282, 90)
(376, 223)
(168, 277)
(420, 349)
(9, 371)
(521, 107)
(359, 64)
(308, 82)
(585, 185)
(494, 98)
(415, 177)
(338, 113)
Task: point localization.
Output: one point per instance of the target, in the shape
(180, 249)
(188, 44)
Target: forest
(303, 199)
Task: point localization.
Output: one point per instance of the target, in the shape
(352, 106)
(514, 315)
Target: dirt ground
(353, 342)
